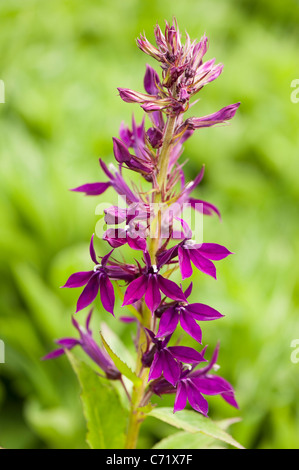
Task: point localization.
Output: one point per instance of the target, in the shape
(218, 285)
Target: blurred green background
(61, 62)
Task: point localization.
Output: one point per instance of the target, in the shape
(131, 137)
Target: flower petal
(214, 251)
(107, 293)
(89, 293)
(79, 279)
(171, 369)
(202, 312)
(156, 367)
(170, 289)
(152, 296)
(185, 263)
(92, 251)
(168, 322)
(92, 189)
(196, 400)
(181, 397)
(135, 290)
(186, 354)
(190, 326)
(202, 263)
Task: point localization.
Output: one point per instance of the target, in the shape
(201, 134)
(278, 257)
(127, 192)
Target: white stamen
(97, 266)
(190, 242)
(112, 168)
(155, 269)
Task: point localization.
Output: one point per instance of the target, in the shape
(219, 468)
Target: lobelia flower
(200, 254)
(155, 154)
(183, 72)
(166, 360)
(149, 284)
(193, 384)
(187, 315)
(116, 182)
(94, 281)
(89, 346)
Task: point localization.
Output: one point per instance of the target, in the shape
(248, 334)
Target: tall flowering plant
(151, 221)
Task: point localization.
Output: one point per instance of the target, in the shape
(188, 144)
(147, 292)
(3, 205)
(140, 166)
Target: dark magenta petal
(87, 322)
(116, 237)
(214, 251)
(196, 400)
(156, 367)
(230, 399)
(79, 279)
(170, 289)
(167, 256)
(186, 354)
(54, 354)
(188, 290)
(168, 322)
(120, 151)
(202, 263)
(92, 189)
(135, 290)
(185, 263)
(89, 293)
(107, 293)
(137, 243)
(67, 343)
(204, 207)
(171, 369)
(151, 80)
(190, 326)
(212, 385)
(106, 257)
(92, 251)
(152, 295)
(202, 312)
(181, 397)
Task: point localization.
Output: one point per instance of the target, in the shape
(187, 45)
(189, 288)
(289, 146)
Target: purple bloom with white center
(94, 281)
(166, 359)
(199, 254)
(187, 315)
(150, 284)
(193, 384)
(89, 346)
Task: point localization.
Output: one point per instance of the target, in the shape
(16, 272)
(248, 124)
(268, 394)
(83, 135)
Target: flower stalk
(152, 224)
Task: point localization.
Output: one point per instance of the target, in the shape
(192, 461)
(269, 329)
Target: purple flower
(199, 254)
(165, 359)
(116, 182)
(149, 284)
(219, 117)
(193, 384)
(89, 346)
(94, 281)
(187, 315)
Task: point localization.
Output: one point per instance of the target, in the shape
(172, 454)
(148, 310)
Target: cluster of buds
(155, 153)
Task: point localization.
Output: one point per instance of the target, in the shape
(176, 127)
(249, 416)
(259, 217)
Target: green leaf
(193, 422)
(106, 417)
(185, 440)
(121, 366)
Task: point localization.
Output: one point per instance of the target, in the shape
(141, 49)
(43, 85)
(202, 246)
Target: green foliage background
(61, 62)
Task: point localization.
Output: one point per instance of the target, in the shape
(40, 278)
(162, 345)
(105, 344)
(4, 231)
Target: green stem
(164, 154)
(136, 416)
